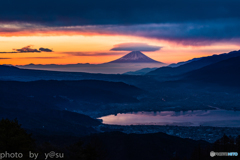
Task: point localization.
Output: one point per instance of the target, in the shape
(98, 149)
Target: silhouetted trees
(13, 138)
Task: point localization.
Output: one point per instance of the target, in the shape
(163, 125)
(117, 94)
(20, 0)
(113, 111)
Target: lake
(217, 118)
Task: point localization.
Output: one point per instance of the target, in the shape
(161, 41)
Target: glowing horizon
(66, 47)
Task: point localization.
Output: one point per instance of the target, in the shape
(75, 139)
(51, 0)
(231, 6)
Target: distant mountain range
(133, 61)
(193, 65)
(135, 57)
(185, 62)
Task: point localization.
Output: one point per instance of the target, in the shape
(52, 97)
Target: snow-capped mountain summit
(135, 57)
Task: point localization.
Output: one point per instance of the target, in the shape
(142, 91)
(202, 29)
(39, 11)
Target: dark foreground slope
(111, 145)
(119, 146)
(222, 73)
(52, 122)
(169, 71)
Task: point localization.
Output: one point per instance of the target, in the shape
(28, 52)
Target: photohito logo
(213, 154)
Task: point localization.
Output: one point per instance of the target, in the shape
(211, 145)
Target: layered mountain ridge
(193, 65)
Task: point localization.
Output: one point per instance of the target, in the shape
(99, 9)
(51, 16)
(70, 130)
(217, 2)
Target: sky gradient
(89, 31)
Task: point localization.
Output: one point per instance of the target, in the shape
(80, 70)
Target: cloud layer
(188, 22)
(95, 12)
(189, 33)
(135, 47)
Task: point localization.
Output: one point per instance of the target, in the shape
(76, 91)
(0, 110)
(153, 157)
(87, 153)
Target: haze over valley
(132, 61)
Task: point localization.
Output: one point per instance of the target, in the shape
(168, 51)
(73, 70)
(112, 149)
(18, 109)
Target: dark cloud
(45, 50)
(197, 33)
(76, 12)
(5, 58)
(26, 49)
(92, 53)
(29, 49)
(135, 47)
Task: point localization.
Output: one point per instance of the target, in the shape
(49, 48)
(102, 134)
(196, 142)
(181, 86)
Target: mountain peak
(135, 57)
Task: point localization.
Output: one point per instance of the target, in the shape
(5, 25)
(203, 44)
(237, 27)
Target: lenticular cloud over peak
(135, 47)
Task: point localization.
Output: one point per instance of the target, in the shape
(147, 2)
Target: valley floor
(209, 134)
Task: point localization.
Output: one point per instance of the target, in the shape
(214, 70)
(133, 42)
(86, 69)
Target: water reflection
(221, 118)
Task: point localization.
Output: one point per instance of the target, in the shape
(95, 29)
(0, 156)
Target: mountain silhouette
(135, 57)
(202, 62)
(225, 72)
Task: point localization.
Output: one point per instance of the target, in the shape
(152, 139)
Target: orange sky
(90, 44)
